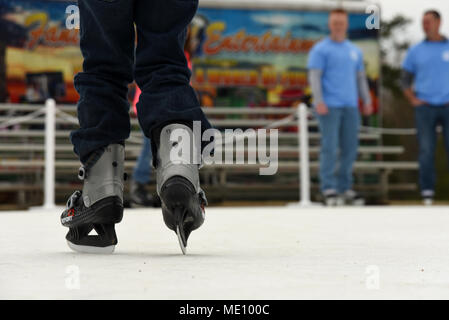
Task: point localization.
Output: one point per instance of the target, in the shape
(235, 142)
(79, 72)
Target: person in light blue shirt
(339, 61)
(425, 80)
(337, 78)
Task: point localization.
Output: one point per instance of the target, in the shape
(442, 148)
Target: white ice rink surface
(239, 253)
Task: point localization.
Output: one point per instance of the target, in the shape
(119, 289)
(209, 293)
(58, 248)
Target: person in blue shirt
(337, 78)
(425, 81)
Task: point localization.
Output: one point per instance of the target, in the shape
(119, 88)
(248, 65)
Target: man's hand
(413, 99)
(417, 102)
(321, 109)
(368, 109)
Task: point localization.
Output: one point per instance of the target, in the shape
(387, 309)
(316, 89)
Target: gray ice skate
(99, 206)
(178, 183)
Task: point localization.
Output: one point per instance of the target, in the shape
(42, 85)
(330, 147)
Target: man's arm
(409, 69)
(317, 91)
(364, 93)
(316, 86)
(363, 87)
(407, 84)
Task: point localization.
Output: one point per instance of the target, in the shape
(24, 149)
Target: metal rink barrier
(299, 116)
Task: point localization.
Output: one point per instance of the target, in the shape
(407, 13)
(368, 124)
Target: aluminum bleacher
(22, 153)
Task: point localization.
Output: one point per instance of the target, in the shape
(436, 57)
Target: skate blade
(91, 249)
(181, 242)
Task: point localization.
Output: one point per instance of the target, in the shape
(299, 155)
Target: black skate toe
(79, 240)
(106, 211)
(182, 208)
(101, 217)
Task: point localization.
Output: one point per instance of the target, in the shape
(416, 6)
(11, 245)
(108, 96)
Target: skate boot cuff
(186, 165)
(103, 174)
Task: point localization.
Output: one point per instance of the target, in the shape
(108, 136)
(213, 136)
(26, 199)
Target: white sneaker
(352, 198)
(427, 197)
(428, 202)
(330, 198)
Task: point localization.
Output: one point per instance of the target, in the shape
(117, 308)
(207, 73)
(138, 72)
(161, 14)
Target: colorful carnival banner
(232, 49)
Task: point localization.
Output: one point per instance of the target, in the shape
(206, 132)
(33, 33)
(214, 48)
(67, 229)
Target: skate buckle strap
(73, 200)
(105, 177)
(91, 161)
(82, 173)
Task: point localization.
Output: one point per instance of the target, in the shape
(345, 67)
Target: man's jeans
(339, 139)
(158, 64)
(142, 171)
(427, 119)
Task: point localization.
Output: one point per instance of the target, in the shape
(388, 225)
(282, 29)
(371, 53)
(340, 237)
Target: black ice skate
(178, 186)
(100, 205)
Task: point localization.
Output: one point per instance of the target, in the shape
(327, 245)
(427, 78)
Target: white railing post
(304, 164)
(50, 124)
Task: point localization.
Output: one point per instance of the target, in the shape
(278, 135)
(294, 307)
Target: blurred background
(248, 68)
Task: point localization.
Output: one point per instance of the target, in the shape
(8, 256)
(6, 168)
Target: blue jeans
(339, 144)
(142, 171)
(111, 62)
(427, 118)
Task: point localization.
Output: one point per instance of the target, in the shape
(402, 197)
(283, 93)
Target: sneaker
(352, 198)
(427, 197)
(330, 198)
